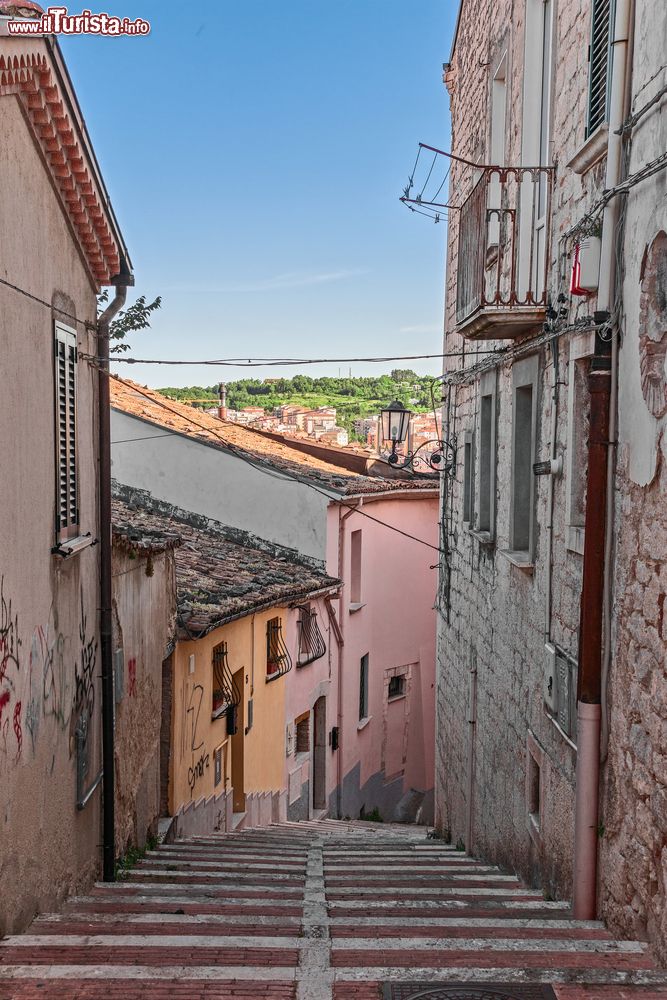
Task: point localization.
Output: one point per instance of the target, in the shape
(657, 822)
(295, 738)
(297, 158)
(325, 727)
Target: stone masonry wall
(493, 622)
(634, 842)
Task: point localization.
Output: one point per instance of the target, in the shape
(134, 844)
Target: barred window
(278, 659)
(67, 495)
(600, 60)
(311, 642)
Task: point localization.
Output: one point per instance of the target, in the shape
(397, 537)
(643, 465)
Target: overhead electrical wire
(281, 362)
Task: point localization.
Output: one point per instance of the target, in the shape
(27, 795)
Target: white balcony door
(497, 150)
(535, 151)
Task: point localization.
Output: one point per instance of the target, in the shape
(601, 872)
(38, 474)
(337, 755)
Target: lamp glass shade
(395, 422)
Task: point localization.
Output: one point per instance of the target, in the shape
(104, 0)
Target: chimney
(222, 408)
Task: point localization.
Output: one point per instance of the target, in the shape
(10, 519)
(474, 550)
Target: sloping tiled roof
(27, 69)
(148, 404)
(218, 579)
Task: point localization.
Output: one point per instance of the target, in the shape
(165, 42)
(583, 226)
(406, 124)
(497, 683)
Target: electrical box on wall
(560, 688)
(550, 698)
(586, 266)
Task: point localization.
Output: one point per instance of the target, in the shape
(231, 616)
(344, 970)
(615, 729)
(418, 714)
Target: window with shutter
(67, 497)
(600, 63)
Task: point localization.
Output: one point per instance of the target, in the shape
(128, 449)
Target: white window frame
(66, 434)
(525, 374)
(469, 478)
(591, 128)
(486, 468)
(536, 139)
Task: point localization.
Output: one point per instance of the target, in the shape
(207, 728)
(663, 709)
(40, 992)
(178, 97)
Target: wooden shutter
(67, 498)
(600, 63)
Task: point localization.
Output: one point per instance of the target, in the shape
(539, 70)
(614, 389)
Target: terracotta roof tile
(150, 405)
(219, 579)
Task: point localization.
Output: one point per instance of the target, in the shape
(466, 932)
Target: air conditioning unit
(586, 266)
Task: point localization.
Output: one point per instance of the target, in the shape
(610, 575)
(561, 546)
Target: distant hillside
(352, 397)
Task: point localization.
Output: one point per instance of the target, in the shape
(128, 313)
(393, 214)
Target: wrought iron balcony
(278, 659)
(226, 695)
(311, 643)
(503, 253)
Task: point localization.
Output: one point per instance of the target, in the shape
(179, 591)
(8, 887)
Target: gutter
(596, 585)
(61, 71)
(122, 282)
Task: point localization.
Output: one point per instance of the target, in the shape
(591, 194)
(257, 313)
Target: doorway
(320, 753)
(238, 738)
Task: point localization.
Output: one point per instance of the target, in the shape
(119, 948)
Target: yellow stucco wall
(196, 735)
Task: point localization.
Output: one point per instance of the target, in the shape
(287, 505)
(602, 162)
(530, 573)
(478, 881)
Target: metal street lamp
(395, 423)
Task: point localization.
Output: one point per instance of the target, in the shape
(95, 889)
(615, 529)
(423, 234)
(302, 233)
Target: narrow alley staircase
(316, 911)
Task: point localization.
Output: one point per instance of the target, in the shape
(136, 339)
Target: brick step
(57, 954)
(353, 930)
(188, 906)
(462, 959)
(131, 927)
(145, 988)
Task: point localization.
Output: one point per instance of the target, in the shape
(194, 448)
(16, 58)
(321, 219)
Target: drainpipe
(122, 281)
(342, 518)
(597, 546)
(555, 469)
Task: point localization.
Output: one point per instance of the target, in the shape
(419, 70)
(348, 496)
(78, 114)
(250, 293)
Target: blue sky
(255, 152)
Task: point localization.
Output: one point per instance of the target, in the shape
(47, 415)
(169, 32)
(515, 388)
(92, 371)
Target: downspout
(598, 508)
(122, 281)
(555, 469)
(613, 427)
(342, 518)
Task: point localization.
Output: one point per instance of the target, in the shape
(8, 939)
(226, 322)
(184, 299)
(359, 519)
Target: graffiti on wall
(196, 771)
(10, 676)
(192, 743)
(84, 677)
(52, 682)
(132, 677)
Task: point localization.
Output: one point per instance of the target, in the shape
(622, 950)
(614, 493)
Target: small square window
(396, 686)
(303, 734)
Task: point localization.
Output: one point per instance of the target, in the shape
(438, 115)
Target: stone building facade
(575, 90)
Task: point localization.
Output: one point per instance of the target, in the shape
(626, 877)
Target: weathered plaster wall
(392, 750)
(144, 608)
(196, 735)
(206, 480)
(49, 642)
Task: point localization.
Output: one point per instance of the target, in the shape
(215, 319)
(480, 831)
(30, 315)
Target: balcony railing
(226, 695)
(503, 252)
(311, 643)
(278, 659)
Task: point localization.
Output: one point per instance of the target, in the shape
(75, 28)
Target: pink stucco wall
(391, 751)
(304, 686)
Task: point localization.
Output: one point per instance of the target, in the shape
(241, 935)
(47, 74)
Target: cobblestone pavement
(316, 911)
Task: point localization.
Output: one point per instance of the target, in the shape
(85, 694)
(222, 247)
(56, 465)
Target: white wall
(208, 481)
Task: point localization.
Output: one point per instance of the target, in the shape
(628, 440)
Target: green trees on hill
(352, 397)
